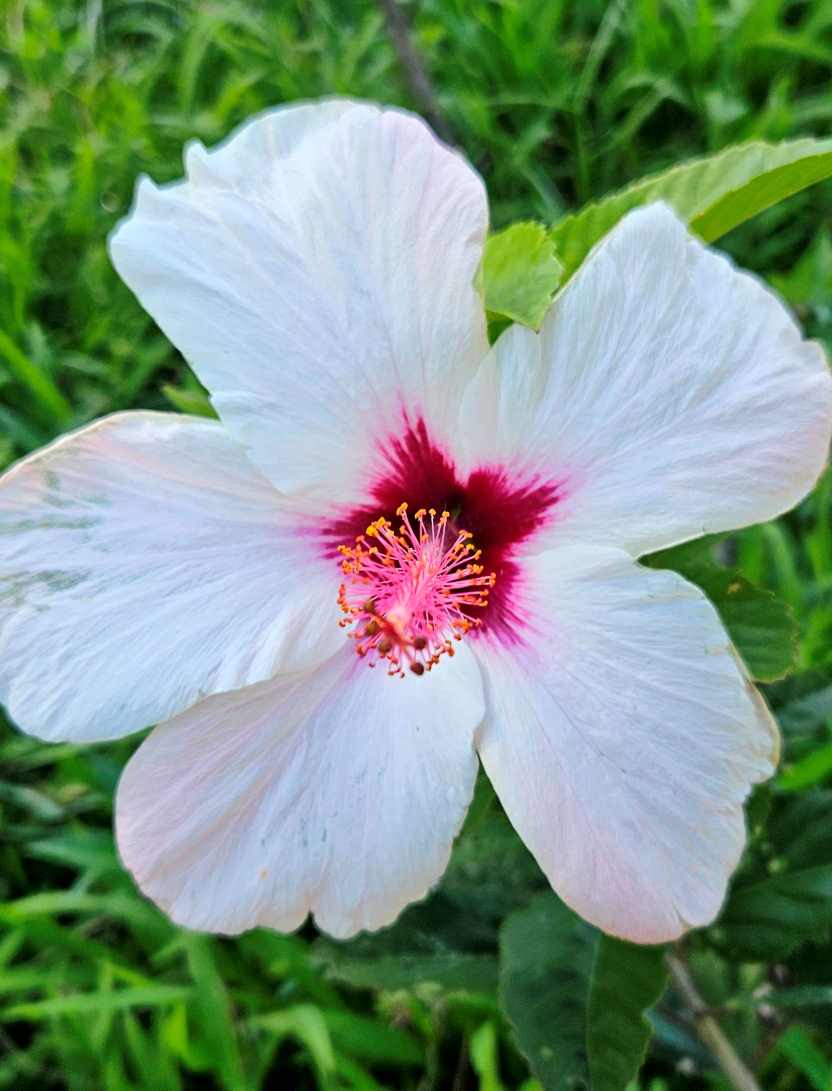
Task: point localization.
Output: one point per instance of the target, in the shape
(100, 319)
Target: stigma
(408, 590)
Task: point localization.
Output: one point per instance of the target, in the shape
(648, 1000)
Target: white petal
(338, 791)
(668, 394)
(623, 741)
(144, 563)
(318, 273)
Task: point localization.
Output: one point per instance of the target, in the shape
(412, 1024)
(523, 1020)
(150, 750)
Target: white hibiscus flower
(318, 273)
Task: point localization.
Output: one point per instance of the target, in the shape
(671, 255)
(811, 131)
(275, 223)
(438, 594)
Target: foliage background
(556, 102)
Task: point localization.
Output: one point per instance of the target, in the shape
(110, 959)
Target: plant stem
(708, 1029)
(415, 74)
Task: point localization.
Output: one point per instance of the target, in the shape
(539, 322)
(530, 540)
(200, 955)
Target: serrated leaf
(762, 627)
(771, 918)
(546, 955)
(626, 980)
(520, 273)
(712, 194)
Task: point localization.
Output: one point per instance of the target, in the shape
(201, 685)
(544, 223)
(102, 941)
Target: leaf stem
(708, 1029)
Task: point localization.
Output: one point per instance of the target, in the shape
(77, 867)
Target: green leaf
(809, 281)
(306, 1024)
(575, 997)
(807, 711)
(769, 919)
(214, 1010)
(472, 973)
(184, 1042)
(190, 401)
(145, 996)
(546, 964)
(371, 1040)
(41, 387)
(806, 1057)
(800, 831)
(807, 772)
(485, 1060)
(761, 626)
(713, 194)
(626, 980)
(148, 1055)
(520, 273)
(802, 996)
(79, 849)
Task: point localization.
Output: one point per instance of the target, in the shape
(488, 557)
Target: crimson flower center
(407, 591)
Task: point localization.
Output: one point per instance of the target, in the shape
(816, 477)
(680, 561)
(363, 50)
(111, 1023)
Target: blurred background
(556, 102)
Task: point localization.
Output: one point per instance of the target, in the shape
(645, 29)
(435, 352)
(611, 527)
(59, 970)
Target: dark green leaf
(801, 831)
(761, 626)
(546, 955)
(372, 1040)
(770, 918)
(807, 711)
(626, 980)
(473, 973)
(803, 996)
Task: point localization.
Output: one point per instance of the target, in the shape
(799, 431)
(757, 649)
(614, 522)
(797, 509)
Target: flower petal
(338, 791)
(623, 743)
(317, 271)
(144, 563)
(671, 394)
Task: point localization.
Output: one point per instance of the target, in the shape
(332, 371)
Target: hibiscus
(399, 549)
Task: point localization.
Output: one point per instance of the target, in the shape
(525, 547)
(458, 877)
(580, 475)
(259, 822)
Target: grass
(556, 103)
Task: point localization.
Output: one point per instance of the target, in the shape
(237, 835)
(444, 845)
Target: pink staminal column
(407, 591)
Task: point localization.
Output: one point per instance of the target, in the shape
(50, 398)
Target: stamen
(407, 593)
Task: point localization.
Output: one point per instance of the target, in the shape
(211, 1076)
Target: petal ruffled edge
(671, 393)
(623, 742)
(338, 791)
(144, 563)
